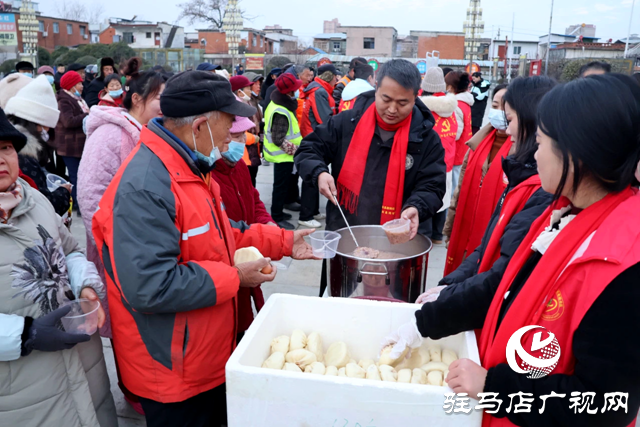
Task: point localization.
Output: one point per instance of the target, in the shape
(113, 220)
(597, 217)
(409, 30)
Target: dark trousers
(285, 189)
(253, 171)
(208, 409)
(432, 228)
(73, 163)
(309, 201)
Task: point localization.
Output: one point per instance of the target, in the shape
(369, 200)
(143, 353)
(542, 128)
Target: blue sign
(7, 17)
(422, 66)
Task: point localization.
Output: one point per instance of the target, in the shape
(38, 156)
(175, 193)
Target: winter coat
(60, 198)
(424, 184)
(480, 93)
(63, 388)
(340, 86)
(107, 100)
(110, 139)
(466, 275)
(90, 94)
(69, 135)
(355, 88)
(465, 133)
(167, 247)
(318, 107)
(242, 203)
(444, 107)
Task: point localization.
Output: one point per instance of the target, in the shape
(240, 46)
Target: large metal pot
(403, 278)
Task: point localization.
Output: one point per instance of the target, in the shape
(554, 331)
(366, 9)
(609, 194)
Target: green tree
(57, 53)
(8, 66)
(44, 57)
(277, 62)
(121, 52)
(96, 50)
(87, 60)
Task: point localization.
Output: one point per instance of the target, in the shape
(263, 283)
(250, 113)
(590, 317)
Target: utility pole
(626, 46)
(546, 61)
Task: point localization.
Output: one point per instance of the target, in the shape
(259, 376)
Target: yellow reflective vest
(272, 152)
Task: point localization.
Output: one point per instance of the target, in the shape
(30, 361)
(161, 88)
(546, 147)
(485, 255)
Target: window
(127, 37)
(369, 43)
(148, 35)
(69, 29)
(517, 50)
(255, 40)
(261, 41)
(41, 26)
(83, 30)
(147, 56)
(56, 28)
(336, 46)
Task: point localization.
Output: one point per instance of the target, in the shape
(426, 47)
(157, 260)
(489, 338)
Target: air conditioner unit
(45, 33)
(86, 36)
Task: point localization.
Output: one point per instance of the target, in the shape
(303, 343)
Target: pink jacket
(110, 139)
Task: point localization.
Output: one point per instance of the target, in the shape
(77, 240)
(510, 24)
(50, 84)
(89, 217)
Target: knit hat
(433, 81)
(253, 77)
(24, 65)
(9, 133)
(11, 85)
(70, 79)
(45, 69)
(239, 82)
(287, 83)
(76, 67)
(36, 103)
(327, 67)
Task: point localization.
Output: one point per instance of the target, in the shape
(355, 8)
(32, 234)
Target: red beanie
(287, 83)
(69, 80)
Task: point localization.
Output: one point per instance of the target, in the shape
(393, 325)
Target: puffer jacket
(70, 137)
(167, 247)
(64, 388)
(110, 139)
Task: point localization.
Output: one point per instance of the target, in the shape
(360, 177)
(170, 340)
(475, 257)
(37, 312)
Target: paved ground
(301, 278)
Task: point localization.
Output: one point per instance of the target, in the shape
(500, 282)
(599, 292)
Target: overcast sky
(611, 17)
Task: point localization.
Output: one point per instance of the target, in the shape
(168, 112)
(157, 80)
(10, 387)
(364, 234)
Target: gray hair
(298, 69)
(178, 122)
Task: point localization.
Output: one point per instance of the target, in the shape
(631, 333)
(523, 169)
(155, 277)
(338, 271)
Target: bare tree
(209, 11)
(73, 10)
(95, 13)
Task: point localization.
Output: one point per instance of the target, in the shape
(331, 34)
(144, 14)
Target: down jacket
(64, 388)
(110, 139)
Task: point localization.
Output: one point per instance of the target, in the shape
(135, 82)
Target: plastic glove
(430, 295)
(44, 334)
(407, 335)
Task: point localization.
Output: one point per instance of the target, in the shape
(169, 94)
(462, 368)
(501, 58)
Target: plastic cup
(283, 264)
(82, 318)
(54, 181)
(325, 243)
(398, 231)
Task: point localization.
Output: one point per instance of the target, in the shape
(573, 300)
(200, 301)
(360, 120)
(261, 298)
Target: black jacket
(337, 93)
(480, 94)
(425, 178)
(467, 274)
(90, 94)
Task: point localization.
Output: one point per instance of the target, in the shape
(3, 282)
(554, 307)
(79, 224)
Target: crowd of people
(533, 206)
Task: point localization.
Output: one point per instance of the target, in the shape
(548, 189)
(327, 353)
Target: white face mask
(246, 97)
(296, 94)
(44, 135)
(213, 157)
(498, 119)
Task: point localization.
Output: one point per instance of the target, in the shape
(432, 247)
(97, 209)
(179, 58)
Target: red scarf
(477, 200)
(530, 302)
(513, 203)
(352, 173)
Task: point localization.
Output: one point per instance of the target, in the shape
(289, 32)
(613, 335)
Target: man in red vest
(363, 82)
(345, 80)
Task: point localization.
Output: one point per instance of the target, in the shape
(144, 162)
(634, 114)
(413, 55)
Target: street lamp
(28, 26)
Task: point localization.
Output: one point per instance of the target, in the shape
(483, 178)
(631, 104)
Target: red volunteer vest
(461, 144)
(447, 128)
(560, 305)
(347, 105)
(476, 202)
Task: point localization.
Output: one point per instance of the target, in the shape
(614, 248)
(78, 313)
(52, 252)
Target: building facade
(370, 41)
(143, 34)
(331, 26)
(586, 30)
(333, 43)
(498, 49)
(580, 50)
(449, 44)
(252, 41)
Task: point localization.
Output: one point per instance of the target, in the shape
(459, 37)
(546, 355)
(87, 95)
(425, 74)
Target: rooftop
(591, 46)
(326, 36)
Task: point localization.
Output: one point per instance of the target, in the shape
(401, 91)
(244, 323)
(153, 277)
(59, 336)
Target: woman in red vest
(575, 275)
(517, 194)
(459, 84)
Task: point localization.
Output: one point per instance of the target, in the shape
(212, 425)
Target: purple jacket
(110, 139)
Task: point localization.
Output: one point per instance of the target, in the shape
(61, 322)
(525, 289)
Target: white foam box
(270, 398)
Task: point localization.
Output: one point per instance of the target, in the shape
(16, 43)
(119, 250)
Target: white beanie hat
(36, 103)
(10, 85)
(433, 81)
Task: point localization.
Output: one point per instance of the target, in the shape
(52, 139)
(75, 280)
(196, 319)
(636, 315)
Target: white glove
(407, 335)
(430, 295)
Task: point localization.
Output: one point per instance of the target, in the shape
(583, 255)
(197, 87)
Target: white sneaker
(311, 224)
(320, 216)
